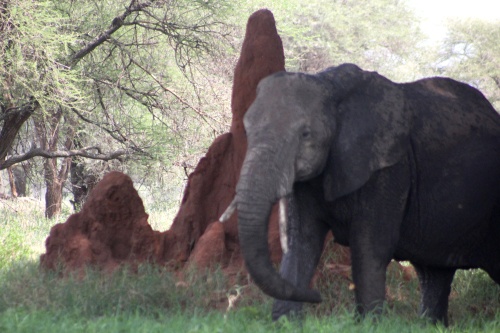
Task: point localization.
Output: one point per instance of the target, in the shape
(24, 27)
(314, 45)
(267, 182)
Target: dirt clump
(111, 229)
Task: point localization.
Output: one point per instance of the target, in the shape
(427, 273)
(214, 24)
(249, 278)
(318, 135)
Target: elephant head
(341, 125)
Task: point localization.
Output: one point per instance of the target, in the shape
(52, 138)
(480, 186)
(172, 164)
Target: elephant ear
(372, 128)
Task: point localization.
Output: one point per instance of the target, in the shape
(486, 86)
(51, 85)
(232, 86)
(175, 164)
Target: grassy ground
(153, 300)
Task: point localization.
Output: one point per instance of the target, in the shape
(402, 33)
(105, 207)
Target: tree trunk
(54, 182)
(77, 184)
(20, 180)
(81, 178)
(12, 183)
(82, 182)
(47, 130)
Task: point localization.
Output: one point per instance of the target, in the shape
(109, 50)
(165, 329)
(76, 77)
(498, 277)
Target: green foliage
(472, 54)
(137, 89)
(32, 53)
(381, 35)
(142, 81)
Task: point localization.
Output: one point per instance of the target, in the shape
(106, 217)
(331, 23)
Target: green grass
(151, 299)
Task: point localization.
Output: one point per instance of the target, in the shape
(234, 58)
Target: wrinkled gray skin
(404, 171)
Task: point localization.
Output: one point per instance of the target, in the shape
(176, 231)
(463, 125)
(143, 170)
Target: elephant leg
(369, 277)
(374, 234)
(435, 285)
(306, 236)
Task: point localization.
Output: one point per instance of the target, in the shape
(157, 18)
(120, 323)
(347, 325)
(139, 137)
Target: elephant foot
(435, 285)
(291, 310)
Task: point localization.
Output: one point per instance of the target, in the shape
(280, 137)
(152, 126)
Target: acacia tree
(471, 53)
(381, 35)
(30, 72)
(73, 65)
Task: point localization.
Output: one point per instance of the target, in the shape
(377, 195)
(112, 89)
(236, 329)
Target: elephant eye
(306, 134)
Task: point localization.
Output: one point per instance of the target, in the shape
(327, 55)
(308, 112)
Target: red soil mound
(111, 229)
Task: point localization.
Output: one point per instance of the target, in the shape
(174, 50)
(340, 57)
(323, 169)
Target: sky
(435, 13)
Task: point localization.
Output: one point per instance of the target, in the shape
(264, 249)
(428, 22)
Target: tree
(82, 65)
(31, 73)
(471, 53)
(381, 35)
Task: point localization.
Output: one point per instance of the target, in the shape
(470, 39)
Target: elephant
(397, 171)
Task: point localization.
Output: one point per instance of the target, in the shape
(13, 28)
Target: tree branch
(111, 133)
(84, 152)
(13, 119)
(496, 79)
(116, 24)
(200, 113)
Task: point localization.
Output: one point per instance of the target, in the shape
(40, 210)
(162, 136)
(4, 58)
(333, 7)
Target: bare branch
(84, 152)
(121, 139)
(200, 113)
(13, 119)
(15, 111)
(496, 79)
(116, 24)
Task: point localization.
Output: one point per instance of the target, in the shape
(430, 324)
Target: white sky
(434, 13)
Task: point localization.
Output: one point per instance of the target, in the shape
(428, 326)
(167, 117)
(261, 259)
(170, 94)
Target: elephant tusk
(228, 212)
(283, 225)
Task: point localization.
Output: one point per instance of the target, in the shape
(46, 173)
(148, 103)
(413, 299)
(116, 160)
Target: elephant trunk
(255, 198)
